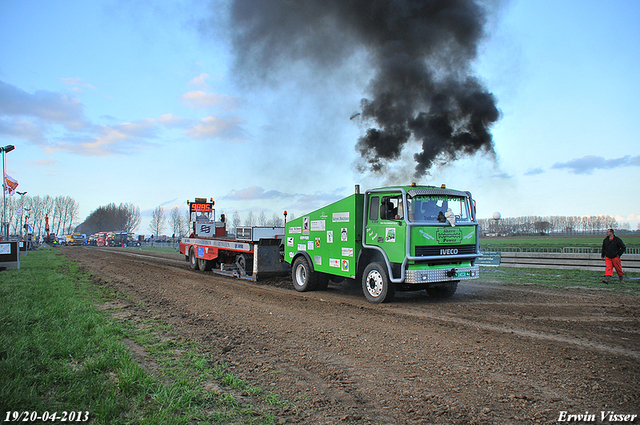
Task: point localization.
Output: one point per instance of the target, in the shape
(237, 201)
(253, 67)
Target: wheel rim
(375, 283)
(301, 275)
(193, 258)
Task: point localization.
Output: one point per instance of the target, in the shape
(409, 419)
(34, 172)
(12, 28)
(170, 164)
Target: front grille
(441, 275)
(427, 251)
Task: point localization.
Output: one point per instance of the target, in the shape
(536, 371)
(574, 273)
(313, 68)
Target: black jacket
(612, 248)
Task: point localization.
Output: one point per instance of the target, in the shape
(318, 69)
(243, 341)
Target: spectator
(612, 249)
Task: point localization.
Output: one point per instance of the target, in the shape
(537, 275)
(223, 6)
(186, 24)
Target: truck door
(386, 227)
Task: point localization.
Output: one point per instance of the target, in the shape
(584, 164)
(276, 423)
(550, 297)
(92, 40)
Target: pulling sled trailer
(254, 253)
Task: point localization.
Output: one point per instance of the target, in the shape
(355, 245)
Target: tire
(242, 261)
(304, 279)
(376, 285)
(443, 291)
(193, 261)
(205, 265)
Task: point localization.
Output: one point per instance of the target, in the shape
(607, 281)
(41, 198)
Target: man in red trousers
(612, 249)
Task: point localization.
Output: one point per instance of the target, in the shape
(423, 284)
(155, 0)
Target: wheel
(443, 291)
(241, 263)
(205, 265)
(193, 261)
(376, 285)
(304, 279)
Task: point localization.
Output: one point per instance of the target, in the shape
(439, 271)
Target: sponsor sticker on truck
(448, 235)
(342, 217)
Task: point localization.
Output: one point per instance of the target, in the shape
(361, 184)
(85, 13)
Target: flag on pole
(10, 184)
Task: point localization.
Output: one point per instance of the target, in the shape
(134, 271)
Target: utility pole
(5, 224)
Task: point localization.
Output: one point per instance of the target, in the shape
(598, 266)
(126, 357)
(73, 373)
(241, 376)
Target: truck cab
(424, 237)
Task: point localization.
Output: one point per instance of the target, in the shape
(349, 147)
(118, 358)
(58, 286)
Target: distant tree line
(569, 225)
(124, 217)
(62, 212)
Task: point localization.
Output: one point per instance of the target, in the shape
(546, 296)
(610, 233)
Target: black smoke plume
(420, 53)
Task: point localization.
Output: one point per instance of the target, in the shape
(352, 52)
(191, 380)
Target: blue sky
(138, 101)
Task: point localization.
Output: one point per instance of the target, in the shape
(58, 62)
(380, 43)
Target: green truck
(393, 238)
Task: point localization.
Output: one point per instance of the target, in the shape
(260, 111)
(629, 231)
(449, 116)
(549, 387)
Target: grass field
(554, 277)
(60, 353)
(561, 279)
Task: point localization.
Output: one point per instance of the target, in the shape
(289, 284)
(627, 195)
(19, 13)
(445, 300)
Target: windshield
(434, 208)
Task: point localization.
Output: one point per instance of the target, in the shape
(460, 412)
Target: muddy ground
(492, 354)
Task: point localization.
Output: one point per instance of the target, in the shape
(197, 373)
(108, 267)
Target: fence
(163, 244)
(565, 250)
(559, 260)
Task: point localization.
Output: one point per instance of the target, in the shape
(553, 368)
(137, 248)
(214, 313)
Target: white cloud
(200, 80)
(228, 130)
(168, 120)
(42, 105)
(56, 122)
(202, 99)
(76, 83)
(47, 162)
(588, 164)
(22, 129)
(255, 192)
(502, 176)
(534, 172)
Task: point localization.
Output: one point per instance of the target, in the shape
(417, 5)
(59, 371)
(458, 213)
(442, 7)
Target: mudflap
(267, 260)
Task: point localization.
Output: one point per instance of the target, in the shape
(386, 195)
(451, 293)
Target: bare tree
(249, 220)
(235, 222)
(158, 221)
(133, 218)
(71, 214)
(56, 219)
(11, 208)
(65, 214)
(185, 224)
(175, 221)
(276, 220)
(262, 219)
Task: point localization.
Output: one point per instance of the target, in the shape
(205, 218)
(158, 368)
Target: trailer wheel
(443, 291)
(193, 261)
(304, 279)
(205, 265)
(376, 285)
(241, 263)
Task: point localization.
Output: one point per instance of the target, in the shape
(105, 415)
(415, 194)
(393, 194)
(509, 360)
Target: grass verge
(59, 353)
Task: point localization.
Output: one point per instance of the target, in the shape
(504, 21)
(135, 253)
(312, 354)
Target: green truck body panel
(399, 224)
(331, 236)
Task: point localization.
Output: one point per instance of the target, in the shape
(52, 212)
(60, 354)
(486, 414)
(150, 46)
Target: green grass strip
(560, 278)
(59, 353)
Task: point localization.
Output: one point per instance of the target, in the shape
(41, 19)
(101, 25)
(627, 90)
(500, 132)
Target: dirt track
(491, 354)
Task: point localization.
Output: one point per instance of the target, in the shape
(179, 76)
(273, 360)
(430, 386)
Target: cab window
(373, 208)
(433, 208)
(391, 208)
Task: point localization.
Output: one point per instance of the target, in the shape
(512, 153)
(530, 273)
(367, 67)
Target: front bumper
(442, 275)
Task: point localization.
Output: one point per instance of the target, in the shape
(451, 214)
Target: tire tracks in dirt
(495, 354)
